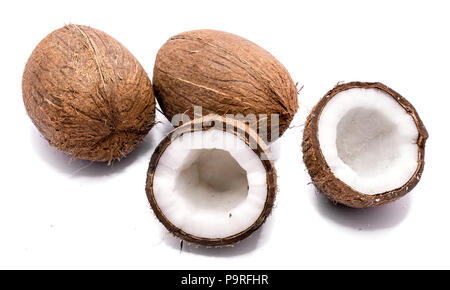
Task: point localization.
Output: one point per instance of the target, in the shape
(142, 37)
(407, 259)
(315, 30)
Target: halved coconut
(364, 145)
(211, 181)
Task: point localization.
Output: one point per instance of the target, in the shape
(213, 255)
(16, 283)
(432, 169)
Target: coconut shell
(243, 132)
(224, 74)
(323, 177)
(87, 94)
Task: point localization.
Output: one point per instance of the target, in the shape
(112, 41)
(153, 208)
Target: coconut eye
(211, 187)
(364, 145)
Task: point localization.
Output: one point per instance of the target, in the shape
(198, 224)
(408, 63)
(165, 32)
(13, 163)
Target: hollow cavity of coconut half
(211, 181)
(364, 145)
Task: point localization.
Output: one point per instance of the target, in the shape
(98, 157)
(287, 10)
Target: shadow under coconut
(245, 246)
(367, 219)
(86, 168)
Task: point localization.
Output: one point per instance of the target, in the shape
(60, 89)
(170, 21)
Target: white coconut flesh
(368, 140)
(210, 184)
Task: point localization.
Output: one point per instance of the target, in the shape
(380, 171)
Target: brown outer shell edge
(323, 177)
(246, 134)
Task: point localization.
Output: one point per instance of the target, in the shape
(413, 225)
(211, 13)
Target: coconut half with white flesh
(211, 181)
(364, 145)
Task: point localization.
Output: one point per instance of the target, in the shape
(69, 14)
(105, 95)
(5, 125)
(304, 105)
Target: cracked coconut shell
(87, 94)
(241, 131)
(321, 174)
(224, 74)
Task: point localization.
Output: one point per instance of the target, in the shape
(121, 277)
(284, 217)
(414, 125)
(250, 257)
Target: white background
(60, 214)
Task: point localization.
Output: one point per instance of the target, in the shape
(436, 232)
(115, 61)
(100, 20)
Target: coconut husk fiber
(87, 94)
(224, 74)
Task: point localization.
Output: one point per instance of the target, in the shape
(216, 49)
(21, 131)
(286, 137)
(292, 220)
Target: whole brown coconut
(323, 174)
(87, 94)
(224, 74)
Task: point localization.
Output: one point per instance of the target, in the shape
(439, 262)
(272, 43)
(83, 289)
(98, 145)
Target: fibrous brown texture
(243, 132)
(323, 177)
(87, 94)
(224, 74)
